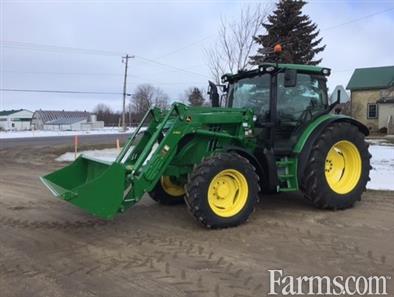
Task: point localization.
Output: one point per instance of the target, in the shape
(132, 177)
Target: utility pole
(126, 61)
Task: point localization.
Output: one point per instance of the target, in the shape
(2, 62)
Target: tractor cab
(284, 97)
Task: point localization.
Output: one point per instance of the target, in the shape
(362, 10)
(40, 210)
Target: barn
(65, 120)
(42, 117)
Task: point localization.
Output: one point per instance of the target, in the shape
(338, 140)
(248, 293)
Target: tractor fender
(265, 166)
(309, 136)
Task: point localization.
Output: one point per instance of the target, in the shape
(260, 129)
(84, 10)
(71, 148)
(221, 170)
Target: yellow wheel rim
(343, 167)
(228, 193)
(171, 188)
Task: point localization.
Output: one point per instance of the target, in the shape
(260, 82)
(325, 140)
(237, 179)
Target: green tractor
(274, 133)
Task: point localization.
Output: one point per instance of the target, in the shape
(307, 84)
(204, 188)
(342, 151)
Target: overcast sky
(168, 39)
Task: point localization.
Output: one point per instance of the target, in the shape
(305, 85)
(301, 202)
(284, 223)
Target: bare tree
(106, 114)
(146, 96)
(235, 42)
(161, 99)
(102, 108)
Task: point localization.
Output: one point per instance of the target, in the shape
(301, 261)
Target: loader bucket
(95, 186)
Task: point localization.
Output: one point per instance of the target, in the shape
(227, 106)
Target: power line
(60, 91)
(358, 19)
(142, 79)
(62, 49)
(170, 66)
(56, 48)
(185, 47)
(347, 22)
(157, 83)
(63, 73)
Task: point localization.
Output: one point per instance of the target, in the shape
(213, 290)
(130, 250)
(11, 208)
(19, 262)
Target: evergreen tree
(294, 31)
(195, 97)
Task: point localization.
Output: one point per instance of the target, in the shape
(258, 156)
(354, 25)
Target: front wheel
(168, 191)
(222, 191)
(338, 167)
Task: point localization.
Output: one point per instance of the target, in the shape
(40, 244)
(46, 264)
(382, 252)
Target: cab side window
(252, 92)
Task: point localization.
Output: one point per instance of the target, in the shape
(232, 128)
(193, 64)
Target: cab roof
(299, 67)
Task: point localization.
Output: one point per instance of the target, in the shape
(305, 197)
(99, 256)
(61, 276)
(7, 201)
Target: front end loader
(275, 133)
(172, 144)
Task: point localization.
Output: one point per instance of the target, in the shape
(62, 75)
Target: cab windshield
(251, 92)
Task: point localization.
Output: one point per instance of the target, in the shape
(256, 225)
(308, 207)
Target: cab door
(296, 106)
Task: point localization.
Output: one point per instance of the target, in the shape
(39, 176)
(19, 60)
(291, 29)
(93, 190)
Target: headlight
(270, 69)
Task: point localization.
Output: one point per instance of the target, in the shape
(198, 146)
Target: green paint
(91, 185)
(311, 127)
(287, 174)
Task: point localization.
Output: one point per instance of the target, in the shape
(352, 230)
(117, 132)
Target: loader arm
(172, 143)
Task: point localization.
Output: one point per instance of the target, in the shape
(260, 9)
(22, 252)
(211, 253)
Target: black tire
(199, 181)
(314, 183)
(159, 194)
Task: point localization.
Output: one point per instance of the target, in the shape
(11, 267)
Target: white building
(15, 119)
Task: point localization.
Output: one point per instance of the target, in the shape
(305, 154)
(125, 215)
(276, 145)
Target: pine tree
(195, 97)
(294, 31)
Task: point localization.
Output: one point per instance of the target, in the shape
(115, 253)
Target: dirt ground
(51, 248)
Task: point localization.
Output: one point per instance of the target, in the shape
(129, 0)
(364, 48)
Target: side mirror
(290, 78)
(213, 94)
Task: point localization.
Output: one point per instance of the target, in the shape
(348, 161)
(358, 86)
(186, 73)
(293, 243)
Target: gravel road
(50, 248)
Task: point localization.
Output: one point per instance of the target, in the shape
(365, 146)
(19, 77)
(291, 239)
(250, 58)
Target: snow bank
(382, 173)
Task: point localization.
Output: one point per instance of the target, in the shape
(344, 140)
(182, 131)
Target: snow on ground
(382, 173)
(105, 155)
(42, 133)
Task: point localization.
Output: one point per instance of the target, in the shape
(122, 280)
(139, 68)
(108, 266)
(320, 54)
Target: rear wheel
(168, 191)
(338, 167)
(222, 191)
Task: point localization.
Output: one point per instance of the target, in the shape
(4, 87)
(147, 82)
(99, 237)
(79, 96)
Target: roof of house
(66, 121)
(50, 115)
(8, 112)
(372, 78)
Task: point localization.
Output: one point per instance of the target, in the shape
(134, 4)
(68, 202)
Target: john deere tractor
(272, 132)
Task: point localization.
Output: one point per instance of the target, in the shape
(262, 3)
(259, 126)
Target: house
(372, 96)
(19, 119)
(65, 120)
